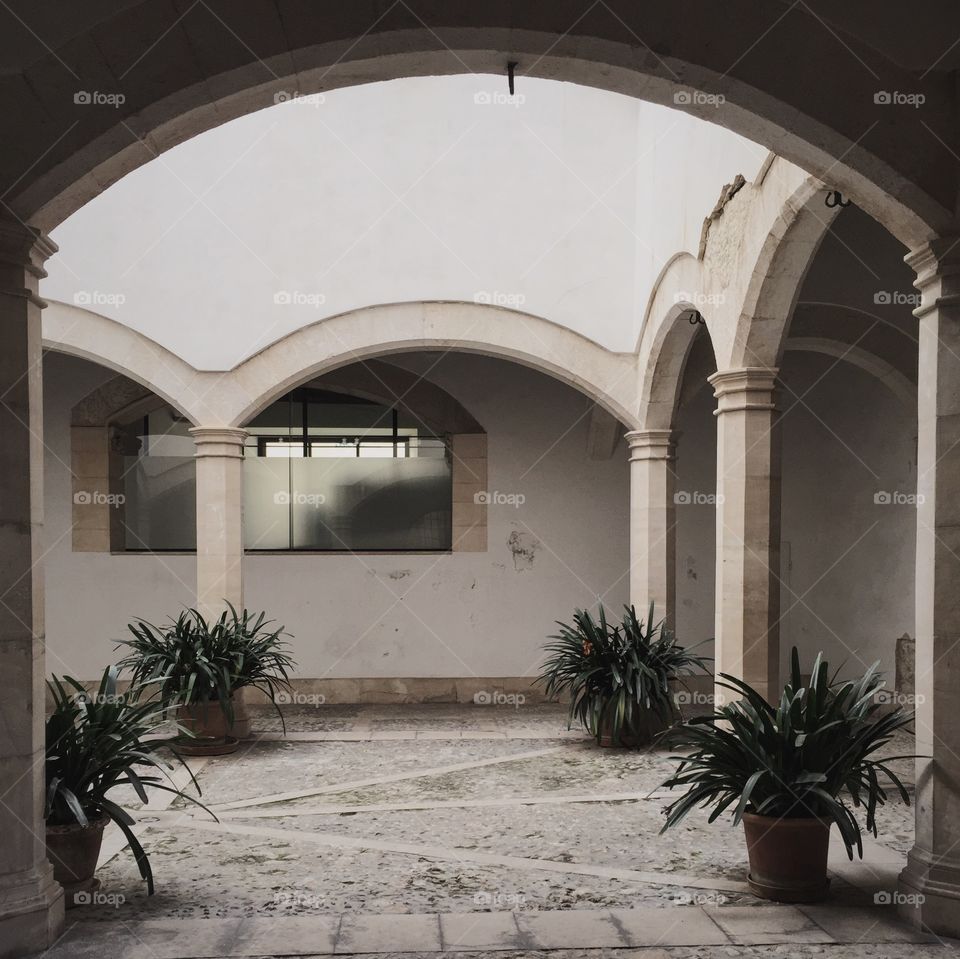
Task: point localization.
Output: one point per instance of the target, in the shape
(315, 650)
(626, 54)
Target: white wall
(485, 614)
(427, 615)
(852, 558)
(696, 521)
(90, 597)
(567, 205)
(847, 562)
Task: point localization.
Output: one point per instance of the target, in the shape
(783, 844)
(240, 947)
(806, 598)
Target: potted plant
(94, 744)
(789, 771)
(618, 676)
(197, 666)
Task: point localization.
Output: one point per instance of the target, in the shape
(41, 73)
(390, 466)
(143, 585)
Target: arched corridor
(420, 330)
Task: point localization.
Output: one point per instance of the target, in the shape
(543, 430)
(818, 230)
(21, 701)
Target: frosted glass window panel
(160, 505)
(371, 503)
(266, 502)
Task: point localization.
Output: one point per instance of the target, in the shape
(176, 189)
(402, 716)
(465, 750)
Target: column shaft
(219, 518)
(31, 903)
(653, 533)
(748, 529)
(931, 880)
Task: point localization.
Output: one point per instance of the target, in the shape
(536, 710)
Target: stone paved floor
(477, 829)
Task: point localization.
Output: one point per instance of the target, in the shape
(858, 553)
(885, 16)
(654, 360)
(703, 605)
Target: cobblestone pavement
(476, 829)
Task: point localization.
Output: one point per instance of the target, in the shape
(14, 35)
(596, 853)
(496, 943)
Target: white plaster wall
(696, 521)
(90, 597)
(566, 205)
(847, 563)
(384, 615)
(852, 573)
(464, 614)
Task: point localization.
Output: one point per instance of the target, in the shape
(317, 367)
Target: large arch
(230, 398)
(777, 276)
(172, 88)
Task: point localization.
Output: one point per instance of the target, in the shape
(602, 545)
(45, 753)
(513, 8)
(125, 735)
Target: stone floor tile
(156, 938)
(286, 936)
(668, 926)
(767, 924)
(876, 924)
(480, 931)
(88, 940)
(572, 929)
(388, 933)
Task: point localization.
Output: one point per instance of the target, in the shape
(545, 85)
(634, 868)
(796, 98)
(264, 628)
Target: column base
(929, 894)
(31, 913)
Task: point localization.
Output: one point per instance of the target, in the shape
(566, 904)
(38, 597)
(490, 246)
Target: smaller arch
(233, 397)
(374, 332)
(901, 386)
(138, 359)
(777, 274)
(393, 385)
(666, 363)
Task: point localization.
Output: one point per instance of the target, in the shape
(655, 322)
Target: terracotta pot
(212, 732)
(241, 717)
(73, 850)
(788, 857)
(641, 733)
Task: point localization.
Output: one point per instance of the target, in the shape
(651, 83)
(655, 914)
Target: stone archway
(231, 397)
(149, 60)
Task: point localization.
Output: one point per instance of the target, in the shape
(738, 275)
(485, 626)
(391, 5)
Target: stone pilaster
(219, 517)
(31, 903)
(748, 529)
(653, 532)
(931, 880)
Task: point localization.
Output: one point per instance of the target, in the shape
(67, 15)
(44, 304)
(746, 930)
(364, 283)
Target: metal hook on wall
(511, 67)
(835, 198)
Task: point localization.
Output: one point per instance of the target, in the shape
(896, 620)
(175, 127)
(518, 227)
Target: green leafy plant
(616, 674)
(192, 660)
(809, 755)
(95, 742)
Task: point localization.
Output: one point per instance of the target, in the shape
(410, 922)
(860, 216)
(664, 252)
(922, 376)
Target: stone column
(31, 903)
(748, 529)
(219, 518)
(933, 865)
(653, 524)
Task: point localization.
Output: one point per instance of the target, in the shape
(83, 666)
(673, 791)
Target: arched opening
(696, 498)
(911, 192)
(401, 606)
(848, 394)
(702, 71)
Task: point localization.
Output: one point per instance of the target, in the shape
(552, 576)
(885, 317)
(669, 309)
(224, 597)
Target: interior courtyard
(421, 329)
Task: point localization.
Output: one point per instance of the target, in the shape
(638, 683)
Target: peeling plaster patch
(524, 547)
(400, 573)
(729, 191)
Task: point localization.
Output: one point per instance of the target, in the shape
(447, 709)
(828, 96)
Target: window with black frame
(326, 471)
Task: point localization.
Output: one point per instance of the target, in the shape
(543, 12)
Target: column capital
(937, 265)
(747, 388)
(651, 444)
(23, 251)
(937, 257)
(26, 246)
(219, 440)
